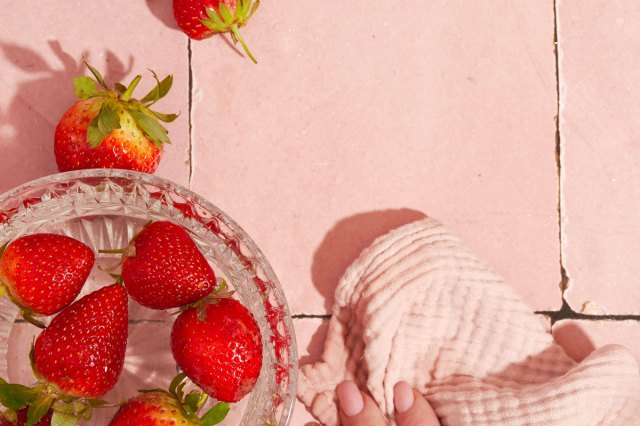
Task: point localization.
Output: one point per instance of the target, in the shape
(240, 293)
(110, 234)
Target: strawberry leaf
(192, 399)
(96, 74)
(121, 88)
(151, 128)
(242, 8)
(160, 91)
(215, 415)
(226, 14)
(38, 409)
(167, 118)
(108, 120)
(85, 87)
(16, 396)
(94, 134)
(126, 96)
(214, 22)
(253, 9)
(173, 386)
(63, 419)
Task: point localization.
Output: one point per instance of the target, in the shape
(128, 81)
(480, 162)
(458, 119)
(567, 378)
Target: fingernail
(350, 399)
(402, 396)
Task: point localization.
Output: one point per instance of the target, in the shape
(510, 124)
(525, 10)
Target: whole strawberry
(107, 128)
(43, 273)
(162, 408)
(82, 351)
(163, 268)
(219, 348)
(200, 19)
(152, 409)
(22, 419)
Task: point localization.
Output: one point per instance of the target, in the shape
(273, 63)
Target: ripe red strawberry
(163, 268)
(43, 273)
(152, 409)
(222, 351)
(22, 419)
(200, 19)
(108, 129)
(82, 351)
(162, 408)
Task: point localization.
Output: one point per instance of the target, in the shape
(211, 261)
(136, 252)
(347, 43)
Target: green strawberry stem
(29, 316)
(236, 33)
(112, 251)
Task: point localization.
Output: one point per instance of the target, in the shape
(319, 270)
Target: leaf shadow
(43, 93)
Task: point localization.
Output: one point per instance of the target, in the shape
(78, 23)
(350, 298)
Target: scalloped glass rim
(276, 312)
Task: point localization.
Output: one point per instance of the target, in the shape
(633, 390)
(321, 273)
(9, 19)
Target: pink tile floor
(359, 119)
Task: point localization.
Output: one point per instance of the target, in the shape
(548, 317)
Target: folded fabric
(418, 306)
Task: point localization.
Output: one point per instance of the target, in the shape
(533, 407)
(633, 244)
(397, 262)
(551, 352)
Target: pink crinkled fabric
(418, 306)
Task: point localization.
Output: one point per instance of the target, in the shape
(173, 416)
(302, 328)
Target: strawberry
(81, 353)
(21, 419)
(200, 19)
(43, 273)
(107, 128)
(218, 346)
(163, 268)
(161, 408)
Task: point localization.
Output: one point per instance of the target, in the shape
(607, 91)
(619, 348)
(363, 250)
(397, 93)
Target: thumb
(357, 408)
(411, 408)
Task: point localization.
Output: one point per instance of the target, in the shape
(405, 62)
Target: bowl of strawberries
(129, 299)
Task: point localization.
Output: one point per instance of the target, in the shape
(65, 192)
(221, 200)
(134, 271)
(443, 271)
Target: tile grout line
(564, 278)
(566, 311)
(190, 153)
(312, 316)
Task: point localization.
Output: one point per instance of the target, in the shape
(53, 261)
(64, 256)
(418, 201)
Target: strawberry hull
(125, 148)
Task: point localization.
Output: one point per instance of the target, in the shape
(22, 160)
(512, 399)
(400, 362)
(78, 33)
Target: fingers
(411, 408)
(357, 408)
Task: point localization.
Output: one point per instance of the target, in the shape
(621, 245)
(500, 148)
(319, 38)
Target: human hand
(358, 409)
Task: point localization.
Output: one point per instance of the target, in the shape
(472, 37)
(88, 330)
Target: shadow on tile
(574, 340)
(28, 122)
(344, 243)
(163, 10)
(315, 348)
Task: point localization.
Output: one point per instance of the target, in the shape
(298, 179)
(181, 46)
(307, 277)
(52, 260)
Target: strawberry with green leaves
(44, 273)
(160, 408)
(76, 359)
(163, 268)
(200, 19)
(218, 346)
(108, 128)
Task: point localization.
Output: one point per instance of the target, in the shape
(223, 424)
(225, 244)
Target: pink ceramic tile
(41, 49)
(310, 335)
(600, 99)
(352, 125)
(580, 338)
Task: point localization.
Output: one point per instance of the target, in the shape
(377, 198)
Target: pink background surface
(359, 119)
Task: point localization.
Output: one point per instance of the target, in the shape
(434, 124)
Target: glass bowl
(104, 208)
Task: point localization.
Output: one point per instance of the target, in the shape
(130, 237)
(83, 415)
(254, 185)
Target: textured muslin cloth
(418, 306)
